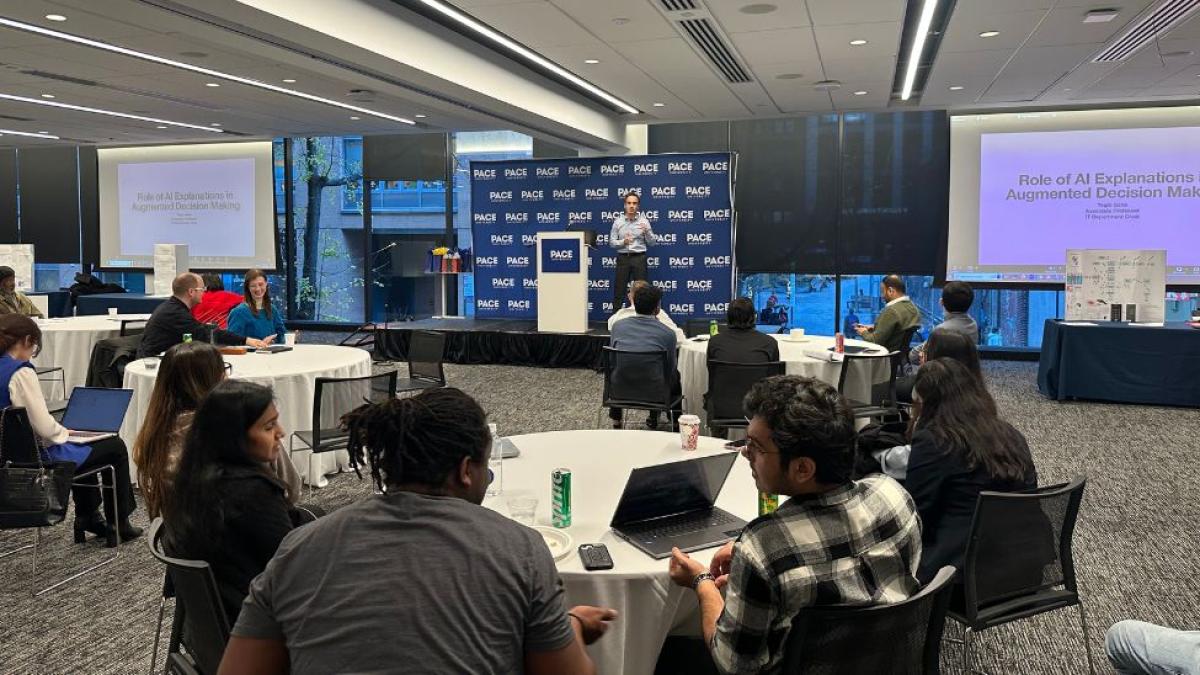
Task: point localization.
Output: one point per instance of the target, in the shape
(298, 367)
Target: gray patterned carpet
(1136, 548)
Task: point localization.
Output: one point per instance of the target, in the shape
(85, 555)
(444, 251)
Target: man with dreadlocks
(419, 577)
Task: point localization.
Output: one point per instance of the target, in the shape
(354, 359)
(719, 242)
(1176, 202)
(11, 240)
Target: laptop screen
(669, 489)
(96, 409)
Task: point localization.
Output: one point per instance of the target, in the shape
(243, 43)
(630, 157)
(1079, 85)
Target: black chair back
(133, 326)
(106, 368)
(727, 386)
(903, 638)
(21, 446)
(426, 349)
(636, 379)
(336, 396)
(866, 361)
(1019, 561)
(694, 327)
(205, 626)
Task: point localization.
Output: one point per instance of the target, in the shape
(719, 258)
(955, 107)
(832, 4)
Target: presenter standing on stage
(631, 235)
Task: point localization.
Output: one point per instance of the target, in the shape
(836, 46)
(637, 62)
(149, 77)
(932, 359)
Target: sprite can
(767, 503)
(187, 337)
(560, 497)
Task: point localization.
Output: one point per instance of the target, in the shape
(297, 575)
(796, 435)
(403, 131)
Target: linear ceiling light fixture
(500, 39)
(101, 111)
(59, 35)
(918, 46)
(40, 134)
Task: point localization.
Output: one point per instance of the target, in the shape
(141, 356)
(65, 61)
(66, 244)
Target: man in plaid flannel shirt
(834, 542)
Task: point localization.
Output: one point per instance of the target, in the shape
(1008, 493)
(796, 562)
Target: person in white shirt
(631, 235)
(663, 317)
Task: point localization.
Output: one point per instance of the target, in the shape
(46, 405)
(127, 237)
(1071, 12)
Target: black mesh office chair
(868, 362)
(133, 326)
(903, 638)
(336, 396)
(426, 350)
(727, 386)
(1019, 562)
(638, 381)
(203, 628)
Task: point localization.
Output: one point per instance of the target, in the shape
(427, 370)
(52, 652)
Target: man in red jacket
(216, 303)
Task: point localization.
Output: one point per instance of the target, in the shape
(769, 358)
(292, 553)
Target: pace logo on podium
(561, 255)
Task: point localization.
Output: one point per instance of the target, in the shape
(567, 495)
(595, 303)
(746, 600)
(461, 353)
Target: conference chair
(336, 396)
(62, 378)
(694, 327)
(639, 381)
(903, 638)
(727, 386)
(426, 349)
(21, 448)
(200, 628)
(133, 326)
(869, 362)
(106, 367)
(1019, 561)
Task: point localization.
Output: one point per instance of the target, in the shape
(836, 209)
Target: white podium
(562, 277)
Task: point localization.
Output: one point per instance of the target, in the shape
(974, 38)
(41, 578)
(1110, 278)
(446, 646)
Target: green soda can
(560, 497)
(187, 337)
(767, 503)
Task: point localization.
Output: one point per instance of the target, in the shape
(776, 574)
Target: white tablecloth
(637, 586)
(67, 343)
(293, 376)
(693, 369)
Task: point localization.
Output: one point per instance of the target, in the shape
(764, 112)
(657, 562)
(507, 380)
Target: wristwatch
(701, 578)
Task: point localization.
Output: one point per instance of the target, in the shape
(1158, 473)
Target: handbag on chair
(32, 495)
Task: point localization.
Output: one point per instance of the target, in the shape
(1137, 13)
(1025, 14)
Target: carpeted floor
(1135, 547)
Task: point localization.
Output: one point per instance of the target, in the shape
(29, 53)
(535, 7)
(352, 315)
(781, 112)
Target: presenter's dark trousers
(110, 451)
(630, 266)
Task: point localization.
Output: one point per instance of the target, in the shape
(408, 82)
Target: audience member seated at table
(13, 301)
(899, 315)
(173, 319)
(835, 541)
(418, 573)
(626, 312)
(1140, 648)
(216, 303)
(224, 506)
(256, 317)
(960, 447)
(740, 342)
(187, 373)
(20, 341)
(643, 332)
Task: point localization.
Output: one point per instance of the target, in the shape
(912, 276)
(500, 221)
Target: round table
(292, 375)
(67, 343)
(693, 368)
(637, 586)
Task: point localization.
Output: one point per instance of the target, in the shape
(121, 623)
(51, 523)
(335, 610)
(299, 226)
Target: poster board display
(170, 260)
(20, 258)
(1116, 285)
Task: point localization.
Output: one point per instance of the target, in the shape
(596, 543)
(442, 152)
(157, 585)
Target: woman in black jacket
(226, 507)
(960, 447)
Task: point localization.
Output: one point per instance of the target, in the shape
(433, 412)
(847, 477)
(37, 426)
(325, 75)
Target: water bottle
(495, 463)
(713, 327)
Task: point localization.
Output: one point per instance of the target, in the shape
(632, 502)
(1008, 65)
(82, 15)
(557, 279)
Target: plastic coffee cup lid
(689, 419)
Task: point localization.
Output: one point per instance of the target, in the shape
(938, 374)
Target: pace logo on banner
(686, 197)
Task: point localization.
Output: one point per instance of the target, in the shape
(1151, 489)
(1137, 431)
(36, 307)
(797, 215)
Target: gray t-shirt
(409, 582)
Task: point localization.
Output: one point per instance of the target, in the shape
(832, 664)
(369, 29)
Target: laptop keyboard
(674, 526)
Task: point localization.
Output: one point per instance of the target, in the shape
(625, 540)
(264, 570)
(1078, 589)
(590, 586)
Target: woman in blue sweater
(255, 317)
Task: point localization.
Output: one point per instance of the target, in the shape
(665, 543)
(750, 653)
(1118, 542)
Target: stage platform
(497, 341)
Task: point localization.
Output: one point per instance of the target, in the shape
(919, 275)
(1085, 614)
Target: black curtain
(49, 180)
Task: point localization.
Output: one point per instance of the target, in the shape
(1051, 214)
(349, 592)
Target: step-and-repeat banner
(686, 197)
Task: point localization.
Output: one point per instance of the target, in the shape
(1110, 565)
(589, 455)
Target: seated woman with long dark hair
(20, 341)
(960, 447)
(224, 506)
(188, 371)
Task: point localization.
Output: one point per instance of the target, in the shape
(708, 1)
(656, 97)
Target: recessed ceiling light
(40, 134)
(289, 80)
(591, 61)
(789, 76)
(43, 132)
(956, 87)
(420, 116)
(56, 17)
(76, 39)
(212, 84)
(659, 105)
(989, 33)
(355, 117)
(215, 124)
(827, 85)
(860, 92)
(620, 20)
(47, 95)
(1100, 15)
(758, 8)
(161, 126)
(858, 43)
(102, 111)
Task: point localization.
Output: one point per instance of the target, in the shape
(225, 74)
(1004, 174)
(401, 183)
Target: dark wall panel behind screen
(786, 196)
(405, 157)
(8, 196)
(89, 205)
(895, 190)
(547, 150)
(688, 137)
(50, 203)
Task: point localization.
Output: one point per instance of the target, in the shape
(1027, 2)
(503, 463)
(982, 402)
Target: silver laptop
(95, 413)
(673, 504)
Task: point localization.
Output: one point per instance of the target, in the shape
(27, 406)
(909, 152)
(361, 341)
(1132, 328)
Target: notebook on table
(95, 413)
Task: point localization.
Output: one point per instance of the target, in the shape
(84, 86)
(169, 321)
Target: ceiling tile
(645, 22)
(768, 47)
(788, 14)
(963, 32)
(536, 23)
(883, 41)
(832, 12)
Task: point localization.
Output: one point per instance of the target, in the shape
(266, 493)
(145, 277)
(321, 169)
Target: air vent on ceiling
(714, 48)
(678, 5)
(16, 118)
(60, 78)
(1153, 23)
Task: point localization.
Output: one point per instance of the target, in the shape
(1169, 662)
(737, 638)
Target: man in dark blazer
(173, 319)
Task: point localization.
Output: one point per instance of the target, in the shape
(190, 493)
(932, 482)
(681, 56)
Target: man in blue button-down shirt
(631, 235)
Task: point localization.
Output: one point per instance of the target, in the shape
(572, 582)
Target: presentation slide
(216, 198)
(1027, 187)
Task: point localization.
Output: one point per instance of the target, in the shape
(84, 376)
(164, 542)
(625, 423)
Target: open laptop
(95, 413)
(673, 505)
